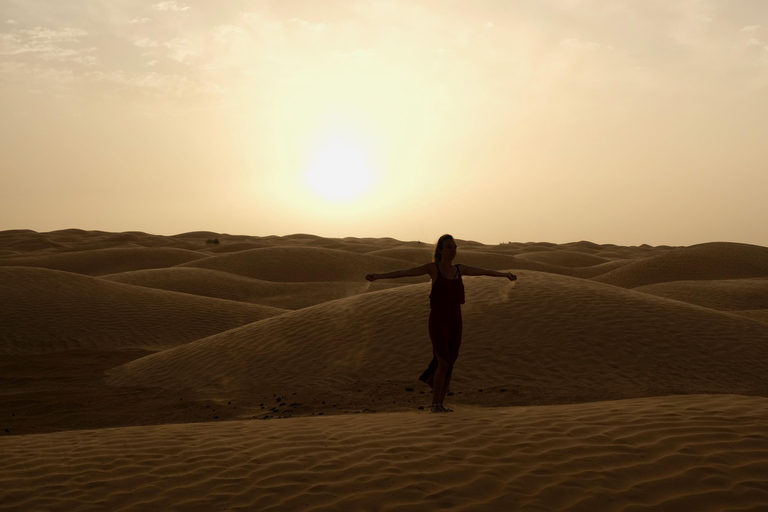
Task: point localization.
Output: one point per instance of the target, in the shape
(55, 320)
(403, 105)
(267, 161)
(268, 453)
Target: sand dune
(415, 255)
(760, 315)
(44, 310)
(607, 378)
(296, 264)
(99, 262)
(564, 258)
(681, 453)
(224, 285)
(236, 247)
(549, 339)
(717, 260)
(724, 295)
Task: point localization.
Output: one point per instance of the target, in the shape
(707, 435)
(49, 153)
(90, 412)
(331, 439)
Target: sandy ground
(147, 372)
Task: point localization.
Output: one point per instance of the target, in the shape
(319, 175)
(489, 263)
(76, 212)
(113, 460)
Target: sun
(340, 169)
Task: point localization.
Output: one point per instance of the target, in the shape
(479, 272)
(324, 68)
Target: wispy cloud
(175, 85)
(11, 22)
(179, 49)
(317, 27)
(49, 44)
(574, 42)
(750, 28)
(170, 5)
(146, 43)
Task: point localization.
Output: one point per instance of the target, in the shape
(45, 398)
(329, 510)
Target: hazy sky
(617, 121)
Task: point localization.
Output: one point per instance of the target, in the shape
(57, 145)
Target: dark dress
(444, 322)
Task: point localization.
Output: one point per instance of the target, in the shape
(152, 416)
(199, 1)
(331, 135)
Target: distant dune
(97, 262)
(225, 285)
(297, 264)
(717, 260)
(44, 310)
(135, 366)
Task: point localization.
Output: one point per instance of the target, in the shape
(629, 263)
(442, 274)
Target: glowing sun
(340, 169)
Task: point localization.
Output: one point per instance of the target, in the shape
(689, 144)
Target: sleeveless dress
(444, 322)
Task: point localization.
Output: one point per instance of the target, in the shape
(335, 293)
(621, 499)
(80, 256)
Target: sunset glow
(618, 122)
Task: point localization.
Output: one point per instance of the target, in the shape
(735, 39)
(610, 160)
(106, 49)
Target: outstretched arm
(415, 271)
(474, 271)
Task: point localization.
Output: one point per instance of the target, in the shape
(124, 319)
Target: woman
(445, 315)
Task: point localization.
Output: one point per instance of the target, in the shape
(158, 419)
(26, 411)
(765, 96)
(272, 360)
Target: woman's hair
(439, 247)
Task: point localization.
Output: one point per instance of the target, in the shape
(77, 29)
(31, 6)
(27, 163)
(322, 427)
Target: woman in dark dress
(445, 315)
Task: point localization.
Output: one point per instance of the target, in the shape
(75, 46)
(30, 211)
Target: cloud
(146, 43)
(151, 81)
(139, 21)
(179, 49)
(151, 63)
(48, 44)
(170, 5)
(750, 28)
(316, 27)
(574, 42)
(62, 34)
(11, 22)
(229, 33)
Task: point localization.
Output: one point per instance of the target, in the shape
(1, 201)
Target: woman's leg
(454, 343)
(439, 384)
(446, 383)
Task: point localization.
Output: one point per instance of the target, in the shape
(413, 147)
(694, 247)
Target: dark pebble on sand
(421, 407)
(279, 399)
(409, 389)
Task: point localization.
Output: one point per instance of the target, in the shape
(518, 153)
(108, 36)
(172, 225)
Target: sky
(617, 121)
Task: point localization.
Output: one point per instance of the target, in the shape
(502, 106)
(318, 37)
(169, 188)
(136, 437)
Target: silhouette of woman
(445, 301)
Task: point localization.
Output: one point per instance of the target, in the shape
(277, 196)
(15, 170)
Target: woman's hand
(371, 277)
(511, 276)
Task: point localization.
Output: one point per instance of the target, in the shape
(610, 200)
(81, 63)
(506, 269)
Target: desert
(210, 371)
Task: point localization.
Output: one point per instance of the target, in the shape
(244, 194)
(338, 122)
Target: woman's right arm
(411, 272)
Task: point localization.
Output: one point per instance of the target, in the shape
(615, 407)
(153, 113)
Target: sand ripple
(682, 453)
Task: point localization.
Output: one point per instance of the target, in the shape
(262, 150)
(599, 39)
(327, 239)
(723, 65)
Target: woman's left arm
(474, 271)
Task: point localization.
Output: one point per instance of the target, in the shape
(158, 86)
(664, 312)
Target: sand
(147, 372)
